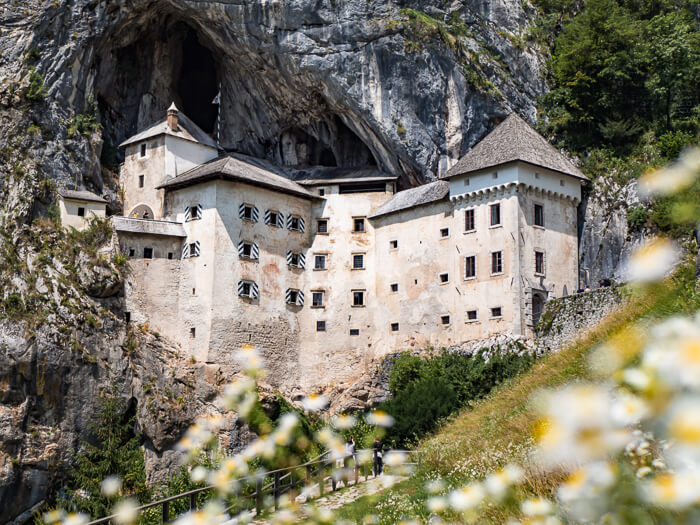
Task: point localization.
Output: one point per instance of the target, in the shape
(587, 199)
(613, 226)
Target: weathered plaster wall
(152, 167)
(182, 155)
(68, 209)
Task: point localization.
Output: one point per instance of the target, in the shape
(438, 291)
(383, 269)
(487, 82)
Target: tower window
(469, 222)
(495, 214)
(141, 180)
(320, 326)
(539, 263)
(444, 233)
(132, 252)
(393, 245)
(539, 215)
(470, 267)
(358, 225)
(193, 332)
(444, 278)
(496, 312)
(394, 287)
(322, 226)
(496, 263)
(358, 298)
(321, 191)
(394, 327)
(317, 299)
(320, 261)
(358, 261)
(445, 319)
(81, 212)
(472, 315)
(354, 331)
(142, 150)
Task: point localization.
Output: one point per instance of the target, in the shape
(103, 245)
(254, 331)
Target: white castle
(326, 270)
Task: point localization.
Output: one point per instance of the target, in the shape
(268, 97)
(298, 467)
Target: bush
(14, 304)
(406, 368)
(637, 217)
(36, 91)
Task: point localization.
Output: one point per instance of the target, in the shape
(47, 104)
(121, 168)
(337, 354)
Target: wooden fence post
(276, 487)
(166, 512)
(193, 501)
(258, 496)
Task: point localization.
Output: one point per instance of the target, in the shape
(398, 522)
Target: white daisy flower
(314, 402)
(126, 511)
(344, 422)
(379, 418)
(652, 261)
(111, 486)
(467, 497)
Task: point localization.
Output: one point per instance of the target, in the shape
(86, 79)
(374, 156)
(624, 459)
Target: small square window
(393, 245)
(142, 150)
(321, 191)
(245, 289)
(294, 260)
(141, 181)
(358, 298)
(496, 312)
(247, 250)
(247, 213)
(472, 315)
(539, 263)
(317, 299)
(358, 225)
(358, 261)
(466, 181)
(469, 222)
(170, 255)
(495, 214)
(148, 253)
(445, 319)
(81, 212)
(470, 267)
(444, 278)
(354, 331)
(320, 262)
(561, 182)
(132, 252)
(539, 215)
(273, 218)
(444, 233)
(295, 224)
(537, 175)
(292, 296)
(320, 326)
(322, 226)
(394, 287)
(194, 291)
(394, 327)
(496, 262)
(193, 332)
(494, 175)
(195, 212)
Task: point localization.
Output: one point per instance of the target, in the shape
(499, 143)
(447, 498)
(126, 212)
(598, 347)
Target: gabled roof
(81, 195)
(148, 226)
(326, 175)
(187, 130)
(418, 196)
(514, 140)
(241, 168)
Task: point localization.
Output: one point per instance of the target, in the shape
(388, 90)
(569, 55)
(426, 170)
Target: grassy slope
(497, 429)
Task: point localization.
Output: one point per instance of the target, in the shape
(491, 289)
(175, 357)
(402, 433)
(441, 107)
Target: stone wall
(565, 319)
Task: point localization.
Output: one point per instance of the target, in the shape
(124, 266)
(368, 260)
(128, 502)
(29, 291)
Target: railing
(283, 482)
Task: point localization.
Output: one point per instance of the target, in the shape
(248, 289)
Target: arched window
(537, 306)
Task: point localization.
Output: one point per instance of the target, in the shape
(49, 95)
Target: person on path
(377, 463)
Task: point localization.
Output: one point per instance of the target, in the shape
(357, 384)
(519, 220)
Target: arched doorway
(142, 212)
(537, 307)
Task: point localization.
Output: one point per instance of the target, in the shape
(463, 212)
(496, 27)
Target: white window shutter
(254, 290)
(280, 220)
(187, 214)
(199, 211)
(197, 249)
(254, 251)
(255, 214)
(288, 295)
(289, 257)
(302, 260)
(240, 287)
(289, 222)
(240, 248)
(300, 298)
(302, 224)
(241, 211)
(267, 216)
(186, 251)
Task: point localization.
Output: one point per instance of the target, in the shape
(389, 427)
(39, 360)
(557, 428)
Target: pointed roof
(187, 130)
(418, 196)
(173, 107)
(514, 140)
(241, 168)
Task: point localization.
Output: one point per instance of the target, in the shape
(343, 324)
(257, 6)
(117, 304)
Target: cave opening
(197, 84)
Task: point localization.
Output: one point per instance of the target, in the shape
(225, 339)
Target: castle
(328, 269)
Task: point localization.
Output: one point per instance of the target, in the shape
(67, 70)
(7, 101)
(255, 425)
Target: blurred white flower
(652, 261)
(671, 179)
(642, 472)
(314, 402)
(54, 515)
(76, 518)
(111, 486)
(364, 456)
(284, 431)
(344, 422)
(394, 458)
(674, 490)
(674, 352)
(499, 482)
(434, 486)
(199, 473)
(379, 418)
(629, 410)
(249, 358)
(467, 497)
(126, 511)
(437, 504)
(637, 378)
(537, 507)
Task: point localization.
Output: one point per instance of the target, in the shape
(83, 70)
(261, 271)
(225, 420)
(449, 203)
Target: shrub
(636, 218)
(13, 304)
(406, 368)
(36, 91)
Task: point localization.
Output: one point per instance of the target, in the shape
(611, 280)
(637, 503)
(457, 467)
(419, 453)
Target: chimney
(172, 117)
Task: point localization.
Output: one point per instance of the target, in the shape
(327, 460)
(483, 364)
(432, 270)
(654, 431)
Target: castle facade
(327, 269)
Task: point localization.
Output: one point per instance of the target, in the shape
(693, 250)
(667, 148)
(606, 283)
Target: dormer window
(142, 150)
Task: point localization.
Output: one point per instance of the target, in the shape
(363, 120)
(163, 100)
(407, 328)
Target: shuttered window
(191, 249)
(248, 212)
(248, 250)
(248, 289)
(295, 223)
(274, 218)
(294, 296)
(296, 259)
(193, 212)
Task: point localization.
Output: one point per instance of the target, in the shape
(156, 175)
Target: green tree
(113, 448)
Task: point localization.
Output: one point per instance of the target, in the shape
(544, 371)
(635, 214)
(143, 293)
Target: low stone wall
(567, 318)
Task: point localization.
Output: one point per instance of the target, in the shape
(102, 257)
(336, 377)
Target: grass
(498, 429)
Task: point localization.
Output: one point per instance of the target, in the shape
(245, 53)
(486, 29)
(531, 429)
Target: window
(469, 222)
(539, 215)
(495, 214)
(248, 212)
(320, 326)
(248, 250)
(148, 253)
(132, 252)
(494, 175)
(354, 331)
(295, 223)
(320, 261)
(358, 261)
(170, 255)
(322, 226)
(445, 319)
(470, 267)
(358, 225)
(472, 316)
(127, 317)
(444, 233)
(248, 289)
(394, 327)
(142, 151)
(193, 213)
(444, 278)
(192, 249)
(295, 297)
(561, 182)
(274, 218)
(393, 245)
(296, 260)
(81, 212)
(539, 263)
(322, 191)
(194, 291)
(496, 312)
(141, 181)
(394, 287)
(358, 298)
(317, 299)
(193, 332)
(496, 262)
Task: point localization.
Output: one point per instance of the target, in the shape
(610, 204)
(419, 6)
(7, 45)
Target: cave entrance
(197, 83)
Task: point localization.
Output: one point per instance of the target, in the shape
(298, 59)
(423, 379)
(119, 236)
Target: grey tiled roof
(187, 130)
(148, 226)
(326, 175)
(81, 195)
(242, 168)
(425, 194)
(513, 140)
